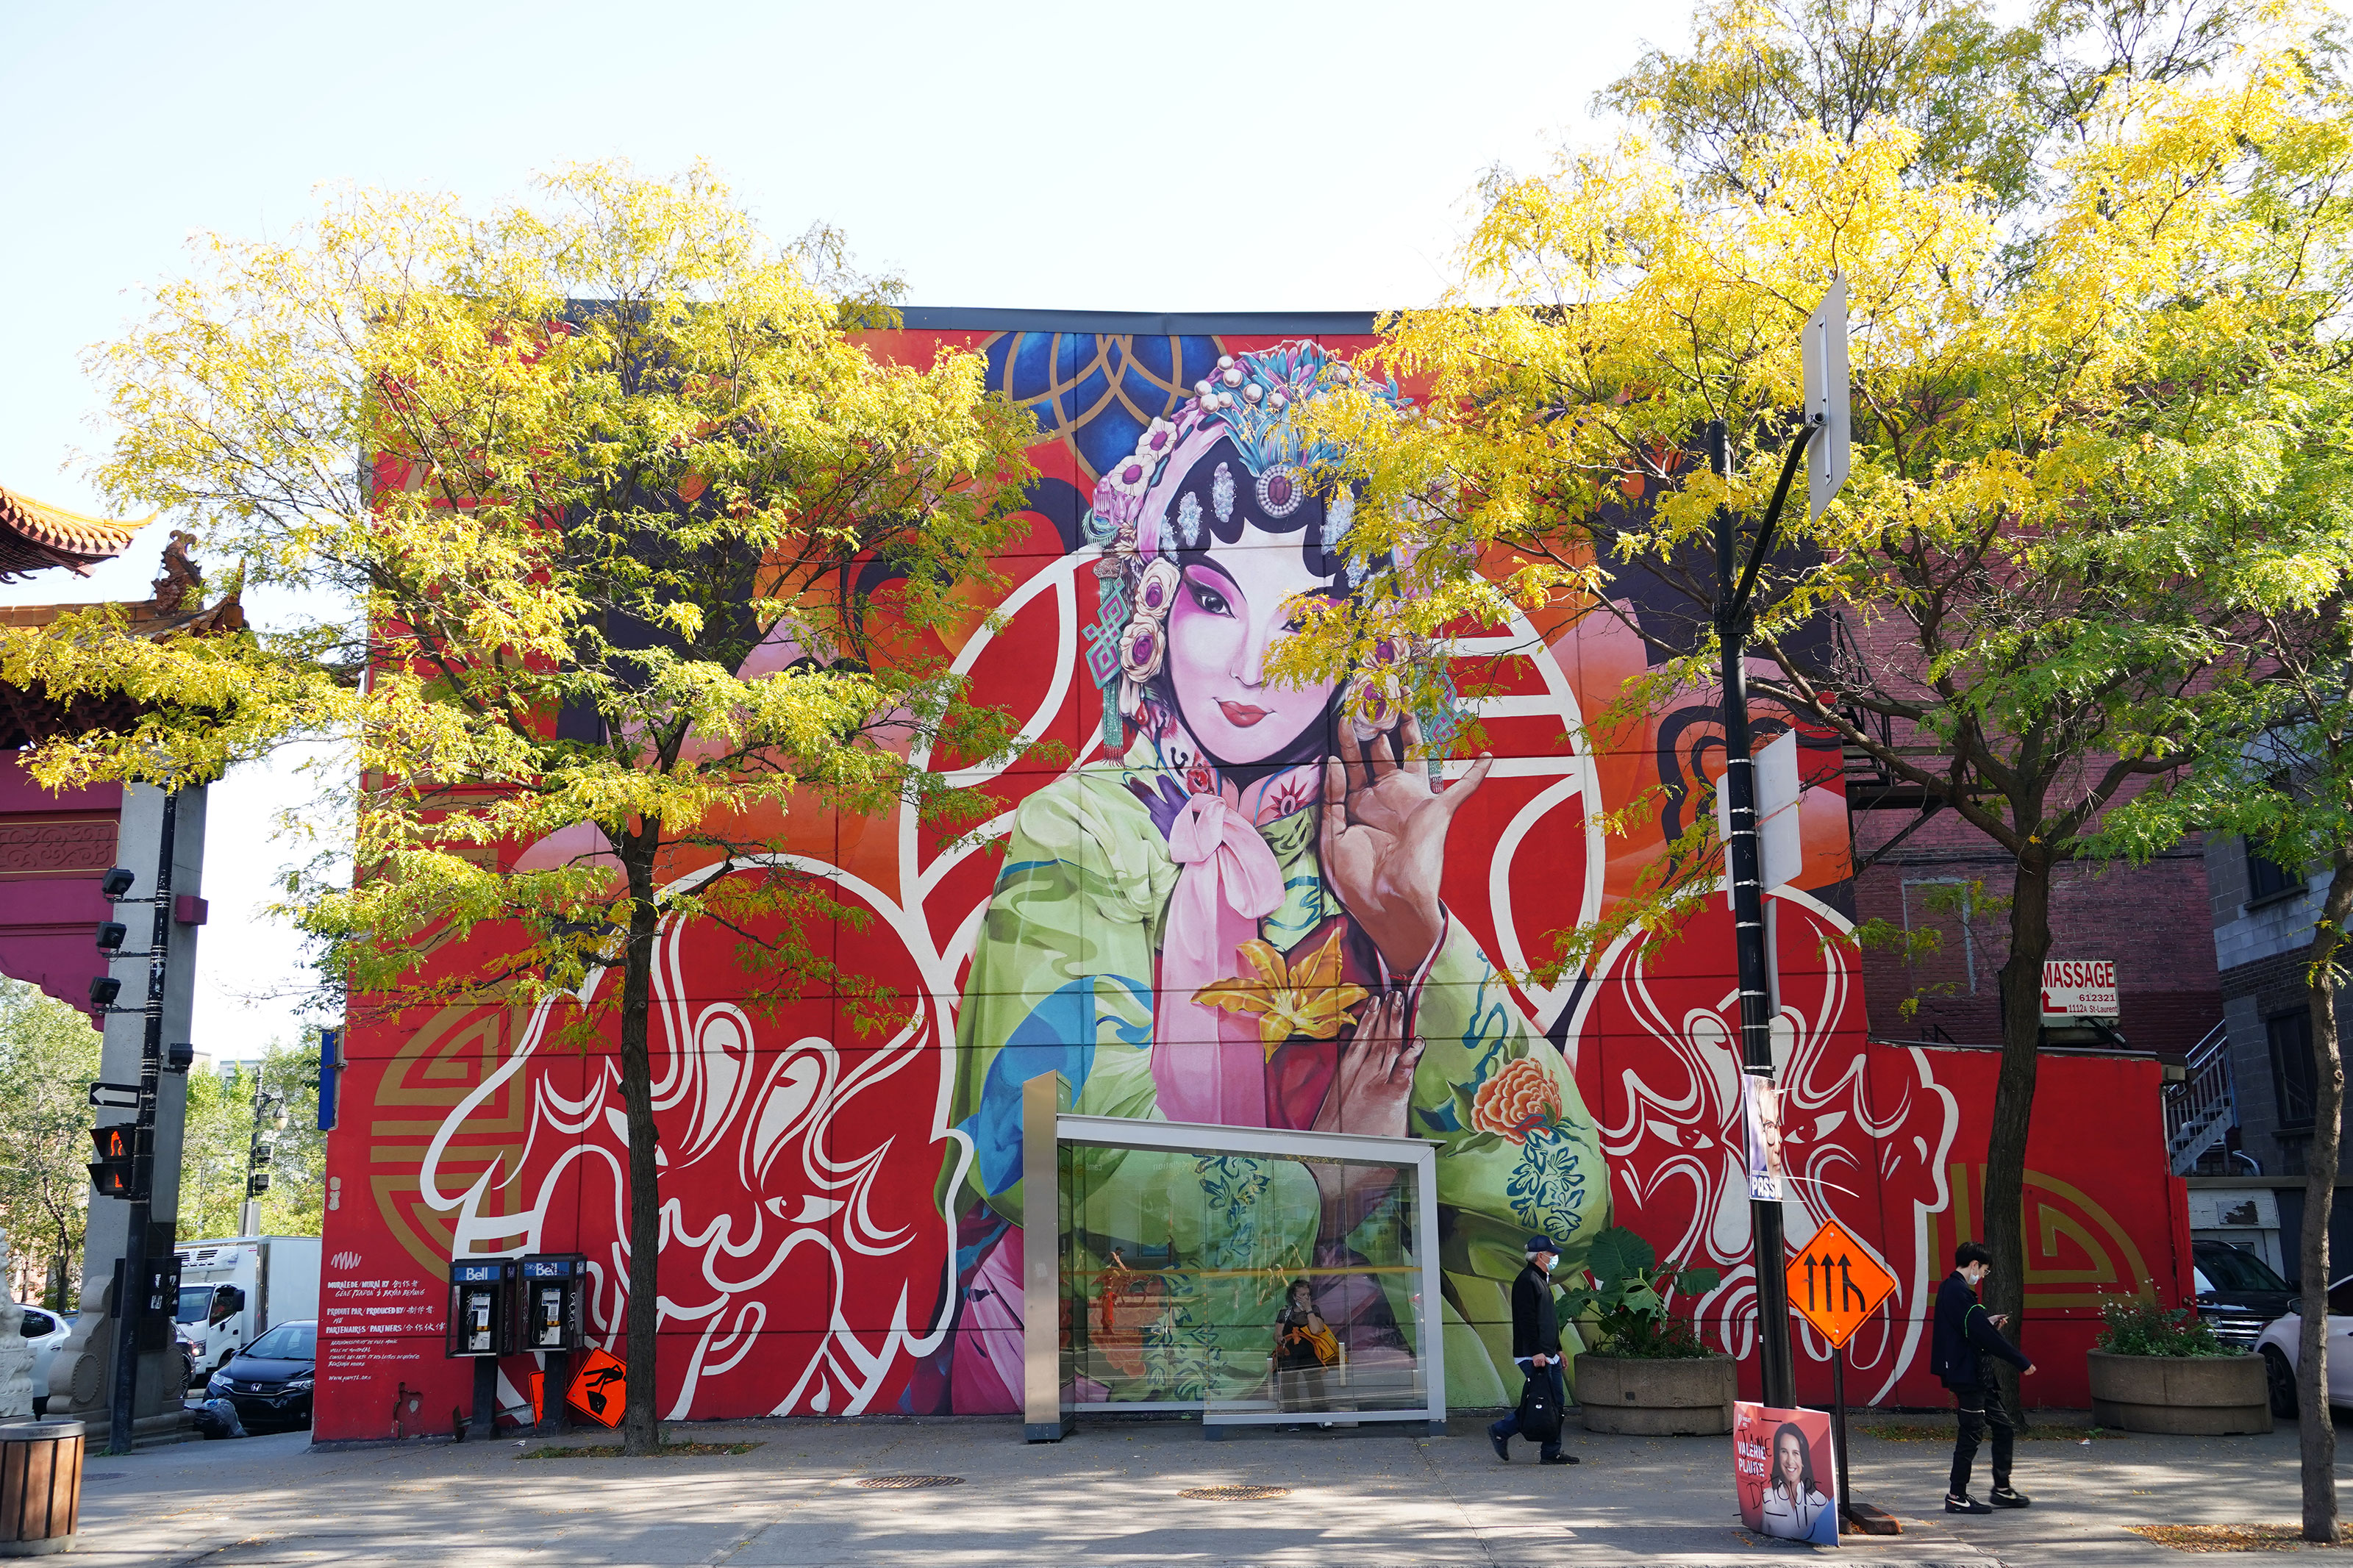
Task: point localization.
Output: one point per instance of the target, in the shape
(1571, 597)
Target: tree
(2040, 457)
(624, 443)
(216, 1145)
(49, 1058)
(2272, 754)
(1991, 104)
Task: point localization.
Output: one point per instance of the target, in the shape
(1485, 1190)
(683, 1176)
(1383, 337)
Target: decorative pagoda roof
(35, 535)
(175, 609)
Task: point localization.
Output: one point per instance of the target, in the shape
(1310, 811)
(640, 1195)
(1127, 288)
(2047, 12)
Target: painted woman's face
(1229, 610)
(1790, 1459)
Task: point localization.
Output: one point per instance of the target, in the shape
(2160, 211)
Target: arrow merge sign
(1835, 1284)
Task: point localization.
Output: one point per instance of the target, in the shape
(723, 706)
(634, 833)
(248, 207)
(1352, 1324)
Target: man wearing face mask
(1966, 1334)
(1536, 1346)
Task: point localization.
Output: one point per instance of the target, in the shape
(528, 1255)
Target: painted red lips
(1241, 715)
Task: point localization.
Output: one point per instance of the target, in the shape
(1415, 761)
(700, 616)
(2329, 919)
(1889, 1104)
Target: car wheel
(2281, 1380)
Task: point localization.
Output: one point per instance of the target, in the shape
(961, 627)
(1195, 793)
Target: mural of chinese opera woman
(1233, 918)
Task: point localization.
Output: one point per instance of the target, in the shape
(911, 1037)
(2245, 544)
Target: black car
(2237, 1291)
(269, 1380)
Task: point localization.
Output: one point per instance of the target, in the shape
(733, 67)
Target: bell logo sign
(2079, 988)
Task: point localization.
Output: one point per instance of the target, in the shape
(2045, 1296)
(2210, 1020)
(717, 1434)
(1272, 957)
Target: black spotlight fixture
(116, 882)
(179, 1055)
(103, 990)
(111, 935)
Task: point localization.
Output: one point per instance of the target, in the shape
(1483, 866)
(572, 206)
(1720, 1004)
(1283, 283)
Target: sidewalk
(1108, 1496)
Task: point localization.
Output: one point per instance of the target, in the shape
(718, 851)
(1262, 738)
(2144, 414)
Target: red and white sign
(2079, 988)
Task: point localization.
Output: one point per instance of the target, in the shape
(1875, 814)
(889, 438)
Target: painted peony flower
(1518, 1100)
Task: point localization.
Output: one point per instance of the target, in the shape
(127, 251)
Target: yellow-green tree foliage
(216, 1144)
(49, 1058)
(622, 439)
(2058, 403)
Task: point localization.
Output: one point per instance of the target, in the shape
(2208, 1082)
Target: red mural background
(813, 1260)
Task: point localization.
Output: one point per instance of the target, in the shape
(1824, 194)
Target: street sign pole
(1823, 349)
(1836, 1284)
(1837, 1423)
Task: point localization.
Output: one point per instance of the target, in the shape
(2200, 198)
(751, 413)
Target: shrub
(2136, 1325)
(1626, 1304)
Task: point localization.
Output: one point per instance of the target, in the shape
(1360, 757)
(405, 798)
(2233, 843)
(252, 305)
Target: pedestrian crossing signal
(115, 1172)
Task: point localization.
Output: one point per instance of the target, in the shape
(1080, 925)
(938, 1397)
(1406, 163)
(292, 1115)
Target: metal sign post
(1835, 1284)
(1825, 429)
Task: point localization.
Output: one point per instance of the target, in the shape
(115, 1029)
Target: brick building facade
(1946, 877)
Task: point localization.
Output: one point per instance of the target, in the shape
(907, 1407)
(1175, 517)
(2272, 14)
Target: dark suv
(2237, 1291)
(269, 1380)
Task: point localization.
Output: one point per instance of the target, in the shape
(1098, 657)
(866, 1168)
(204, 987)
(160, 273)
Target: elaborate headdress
(1152, 503)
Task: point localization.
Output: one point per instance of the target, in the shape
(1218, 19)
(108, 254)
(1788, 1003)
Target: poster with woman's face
(1785, 1471)
(1762, 1117)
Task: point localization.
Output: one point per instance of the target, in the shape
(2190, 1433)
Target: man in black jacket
(1966, 1335)
(1536, 1345)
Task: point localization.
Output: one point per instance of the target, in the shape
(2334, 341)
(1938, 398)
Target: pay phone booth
(551, 1312)
(481, 1306)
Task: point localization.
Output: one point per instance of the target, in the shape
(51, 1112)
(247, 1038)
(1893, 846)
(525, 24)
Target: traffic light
(256, 1184)
(111, 935)
(116, 883)
(264, 1155)
(103, 990)
(115, 1172)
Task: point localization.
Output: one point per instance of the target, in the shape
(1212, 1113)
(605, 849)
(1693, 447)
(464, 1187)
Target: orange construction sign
(1835, 1284)
(600, 1388)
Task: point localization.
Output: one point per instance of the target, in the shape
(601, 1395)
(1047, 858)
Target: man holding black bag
(1536, 1346)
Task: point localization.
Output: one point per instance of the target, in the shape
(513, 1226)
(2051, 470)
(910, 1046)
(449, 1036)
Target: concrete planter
(2202, 1396)
(1657, 1398)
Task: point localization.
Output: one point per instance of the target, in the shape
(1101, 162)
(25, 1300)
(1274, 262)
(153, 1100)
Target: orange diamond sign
(600, 1389)
(1835, 1284)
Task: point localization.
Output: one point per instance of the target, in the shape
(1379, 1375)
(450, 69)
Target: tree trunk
(2013, 1099)
(641, 1426)
(2317, 1429)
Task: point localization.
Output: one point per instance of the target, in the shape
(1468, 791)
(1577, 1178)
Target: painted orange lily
(1306, 999)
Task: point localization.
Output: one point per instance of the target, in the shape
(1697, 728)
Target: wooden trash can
(40, 1487)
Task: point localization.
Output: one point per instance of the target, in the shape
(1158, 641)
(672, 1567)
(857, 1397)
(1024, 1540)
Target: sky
(1265, 156)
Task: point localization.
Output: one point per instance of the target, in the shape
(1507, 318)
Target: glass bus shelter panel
(1254, 1286)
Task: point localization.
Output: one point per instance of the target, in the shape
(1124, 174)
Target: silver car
(2277, 1346)
(44, 1331)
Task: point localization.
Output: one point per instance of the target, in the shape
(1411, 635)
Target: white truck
(234, 1289)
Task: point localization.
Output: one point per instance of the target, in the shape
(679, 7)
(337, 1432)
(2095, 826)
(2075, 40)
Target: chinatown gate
(845, 1213)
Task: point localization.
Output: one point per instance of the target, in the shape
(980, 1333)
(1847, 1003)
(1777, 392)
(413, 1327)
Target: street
(1109, 1495)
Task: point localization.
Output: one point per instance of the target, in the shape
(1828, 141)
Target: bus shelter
(1176, 1282)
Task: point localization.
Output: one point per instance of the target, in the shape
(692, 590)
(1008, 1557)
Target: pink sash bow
(1208, 1065)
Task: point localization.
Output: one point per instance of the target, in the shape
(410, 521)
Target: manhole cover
(907, 1483)
(1234, 1494)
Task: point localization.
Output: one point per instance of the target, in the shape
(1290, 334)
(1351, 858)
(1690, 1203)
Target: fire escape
(2200, 1110)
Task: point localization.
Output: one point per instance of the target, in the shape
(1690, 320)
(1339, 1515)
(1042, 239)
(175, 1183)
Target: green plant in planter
(1624, 1309)
(2136, 1325)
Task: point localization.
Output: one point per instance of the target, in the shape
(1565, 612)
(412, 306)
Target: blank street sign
(1826, 398)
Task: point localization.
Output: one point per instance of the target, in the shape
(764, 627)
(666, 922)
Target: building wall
(2261, 945)
(2151, 919)
(845, 1205)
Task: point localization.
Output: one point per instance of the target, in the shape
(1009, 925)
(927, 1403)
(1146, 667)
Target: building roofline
(1141, 324)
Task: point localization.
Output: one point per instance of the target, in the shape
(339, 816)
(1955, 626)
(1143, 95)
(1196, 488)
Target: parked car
(47, 1330)
(2237, 1291)
(270, 1381)
(2278, 1346)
